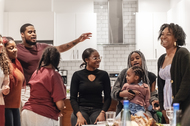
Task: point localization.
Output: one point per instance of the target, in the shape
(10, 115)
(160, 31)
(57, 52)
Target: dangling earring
(175, 44)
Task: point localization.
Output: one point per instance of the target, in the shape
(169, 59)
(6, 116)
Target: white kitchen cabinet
(42, 21)
(69, 26)
(147, 29)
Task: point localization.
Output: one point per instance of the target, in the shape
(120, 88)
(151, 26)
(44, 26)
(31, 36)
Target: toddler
(135, 85)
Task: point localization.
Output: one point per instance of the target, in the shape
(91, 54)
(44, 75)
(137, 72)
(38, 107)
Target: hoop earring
(175, 44)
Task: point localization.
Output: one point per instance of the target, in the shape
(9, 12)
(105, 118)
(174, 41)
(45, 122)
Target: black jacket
(180, 78)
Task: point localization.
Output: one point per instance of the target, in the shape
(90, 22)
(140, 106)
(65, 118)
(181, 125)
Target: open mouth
(135, 64)
(97, 63)
(33, 38)
(164, 41)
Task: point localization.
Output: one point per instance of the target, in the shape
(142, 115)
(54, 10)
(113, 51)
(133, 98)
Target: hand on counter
(80, 119)
(101, 117)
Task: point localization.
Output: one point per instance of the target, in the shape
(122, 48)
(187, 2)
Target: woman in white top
(4, 80)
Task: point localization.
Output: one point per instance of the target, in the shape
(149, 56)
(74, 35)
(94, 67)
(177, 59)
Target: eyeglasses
(96, 58)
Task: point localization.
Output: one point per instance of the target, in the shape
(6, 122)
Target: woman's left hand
(101, 117)
(5, 90)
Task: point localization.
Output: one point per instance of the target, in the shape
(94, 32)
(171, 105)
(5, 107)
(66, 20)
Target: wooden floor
(65, 120)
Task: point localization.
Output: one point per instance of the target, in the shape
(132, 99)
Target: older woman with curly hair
(4, 80)
(173, 69)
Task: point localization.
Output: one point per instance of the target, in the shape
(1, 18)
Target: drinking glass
(110, 117)
(169, 114)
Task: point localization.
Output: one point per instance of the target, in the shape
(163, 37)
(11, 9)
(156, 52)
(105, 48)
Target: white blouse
(165, 75)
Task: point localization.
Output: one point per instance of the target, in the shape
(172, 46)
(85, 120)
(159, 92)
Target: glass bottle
(126, 117)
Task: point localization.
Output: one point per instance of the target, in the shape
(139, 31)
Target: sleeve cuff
(121, 98)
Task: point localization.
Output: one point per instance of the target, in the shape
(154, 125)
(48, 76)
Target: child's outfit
(140, 102)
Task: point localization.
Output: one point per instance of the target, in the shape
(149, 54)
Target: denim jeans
(89, 113)
(136, 109)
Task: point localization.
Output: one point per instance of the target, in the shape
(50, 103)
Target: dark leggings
(89, 113)
(12, 117)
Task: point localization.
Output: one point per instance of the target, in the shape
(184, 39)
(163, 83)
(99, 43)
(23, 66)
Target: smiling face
(93, 62)
(11, 50)
(167, 38)
(131, 77)
(29, 35)
(136, 60)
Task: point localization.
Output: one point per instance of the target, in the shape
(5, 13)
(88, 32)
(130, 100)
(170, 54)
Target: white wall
(153, 5)
(151, 15)
(73, 6)
(1, 15)
(27, 5)
(40, 13)
(177, 11)
(179, 14)
(174, 2)
(42, 21)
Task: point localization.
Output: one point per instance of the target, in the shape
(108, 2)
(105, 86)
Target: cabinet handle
(77, 54)
(155, 53)
(73, 54)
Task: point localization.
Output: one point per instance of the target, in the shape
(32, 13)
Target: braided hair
(50, 56)
(138, 72)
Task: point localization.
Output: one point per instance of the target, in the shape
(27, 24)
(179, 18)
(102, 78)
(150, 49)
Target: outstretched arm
(69, 45)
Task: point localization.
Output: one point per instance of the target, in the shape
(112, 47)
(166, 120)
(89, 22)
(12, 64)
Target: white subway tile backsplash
(134, 5)
(108, 56)
(128, 5)
(106, 52)
(106, 67)
(113, 60)
(148, 63)
(121, 51)
(116, 49)
(71, 64)
(114, 57)
(75, 68)
(117, 63)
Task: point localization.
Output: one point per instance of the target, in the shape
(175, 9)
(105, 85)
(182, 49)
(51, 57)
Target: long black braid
(50, 56)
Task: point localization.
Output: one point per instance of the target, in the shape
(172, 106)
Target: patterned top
(4, 81)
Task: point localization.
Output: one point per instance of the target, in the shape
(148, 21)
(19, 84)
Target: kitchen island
(65, 120)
